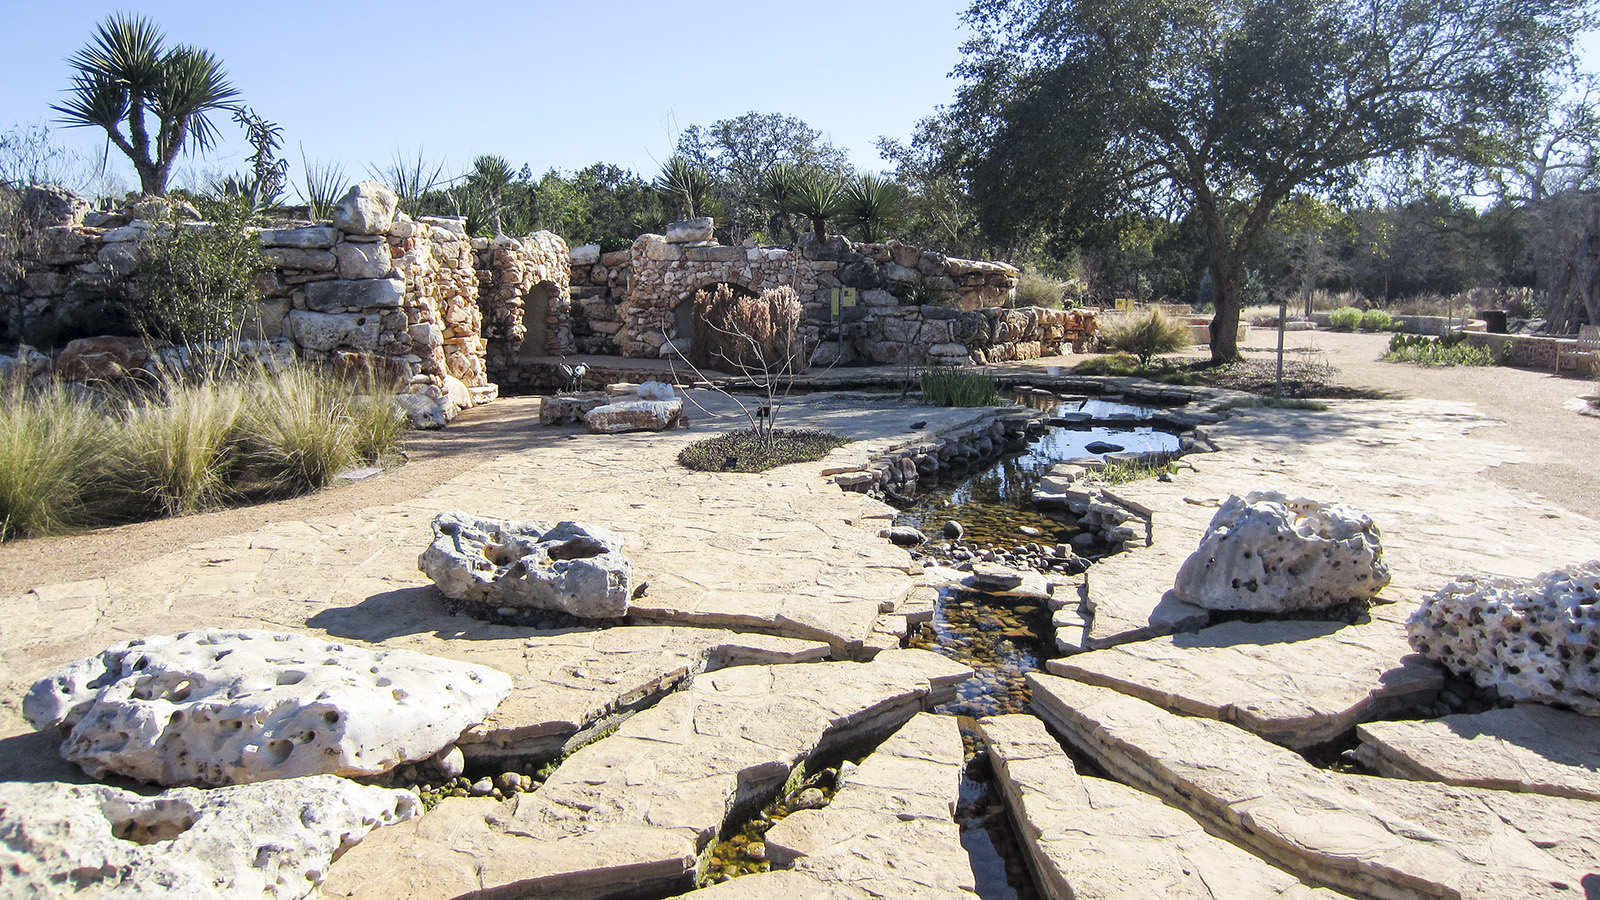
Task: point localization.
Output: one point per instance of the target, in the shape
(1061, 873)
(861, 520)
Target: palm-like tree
(126, 76)
(871, 204)
(817, 196)
(685, 187)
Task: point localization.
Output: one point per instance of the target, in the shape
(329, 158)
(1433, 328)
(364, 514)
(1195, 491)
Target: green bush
(1345, 318)
(1034, 289)
(1115, 364)
(1375, 320)
(196, 283)
(751, 450)
(950, 386)
(1449, 350)
(1145, 335)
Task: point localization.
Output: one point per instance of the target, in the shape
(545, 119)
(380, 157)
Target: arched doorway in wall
(688, 325)
(535, 318)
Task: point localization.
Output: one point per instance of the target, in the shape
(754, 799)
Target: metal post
(1283, 315)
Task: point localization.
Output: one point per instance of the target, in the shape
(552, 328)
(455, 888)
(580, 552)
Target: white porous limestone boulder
(1267, 553)
(656, 390)
(368, 208)
(1530, 640)
(219, 706)
(634, 415)
(572, 568)
(254, 841)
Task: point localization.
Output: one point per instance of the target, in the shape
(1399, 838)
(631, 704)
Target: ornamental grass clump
(54, 449)
(950, 386)
(1145, 335)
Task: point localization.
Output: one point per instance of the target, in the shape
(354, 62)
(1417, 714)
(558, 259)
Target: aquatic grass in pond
(950, 386)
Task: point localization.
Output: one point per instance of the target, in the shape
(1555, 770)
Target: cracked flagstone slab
(631, 813)
(1294, 683)
(1412, 470)
(1093, 839)
(1370, 837)
(1529, 748)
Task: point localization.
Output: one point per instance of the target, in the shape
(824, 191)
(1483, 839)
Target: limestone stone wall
(516, 277)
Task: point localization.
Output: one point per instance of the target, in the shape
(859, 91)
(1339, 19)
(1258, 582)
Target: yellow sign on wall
(842, 297)
(1123, 303)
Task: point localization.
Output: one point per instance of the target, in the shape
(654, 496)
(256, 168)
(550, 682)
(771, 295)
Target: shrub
(1376, 320)
(1034, 289)
(749, 333)
(1145, 335)
(749, 450)
(950, 386)
(1449, 350)
(196, 284)
(1345, 318)
(54, 448)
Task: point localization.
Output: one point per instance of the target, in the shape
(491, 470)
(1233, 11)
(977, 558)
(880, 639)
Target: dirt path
(1563, 446)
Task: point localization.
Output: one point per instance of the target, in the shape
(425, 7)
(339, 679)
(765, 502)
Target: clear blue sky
(551, 84)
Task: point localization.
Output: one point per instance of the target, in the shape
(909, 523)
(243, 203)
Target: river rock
(634, 415)
(368, 208)
(1102, 447)
(245, 841)
(991, 577)
(574, 568)
(1267, 553)
(220, 706)
(1530, 640)
(903, 536)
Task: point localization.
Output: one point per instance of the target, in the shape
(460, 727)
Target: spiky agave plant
(127, 76)
(685, 187)
(871, 204)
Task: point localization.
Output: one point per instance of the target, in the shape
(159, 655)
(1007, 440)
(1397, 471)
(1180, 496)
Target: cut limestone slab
(889, 831)
(1265, 552)
(633, 415)
(630, 814)
(220, 706)
(1093, 839)
(498, 564)
(1531, 639)
(1529, 748)
(272, 840)
(1294, 683)
(1371, 837)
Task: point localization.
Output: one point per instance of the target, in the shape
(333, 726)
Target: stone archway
(536, 321)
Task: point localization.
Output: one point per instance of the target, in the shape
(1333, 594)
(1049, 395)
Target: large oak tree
(1074, 110)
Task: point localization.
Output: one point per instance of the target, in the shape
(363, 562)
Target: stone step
(1294, 683)
(1092, 838)
(1371, 837)
(1528, 748)
(630, 814)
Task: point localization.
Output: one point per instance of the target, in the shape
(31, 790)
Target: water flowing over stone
(1264, 552)
(220, 707)
(1530, 640)
(572, 568)
(253, 841)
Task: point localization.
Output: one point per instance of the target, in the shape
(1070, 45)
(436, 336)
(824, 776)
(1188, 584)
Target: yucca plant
(818, 197)
(410, 179)
(127, 76)
(685, 188)
(324, 184)
(871, 204)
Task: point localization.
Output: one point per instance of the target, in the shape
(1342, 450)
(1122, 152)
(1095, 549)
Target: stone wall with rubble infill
(524, 293)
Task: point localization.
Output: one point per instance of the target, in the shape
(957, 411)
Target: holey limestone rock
(573, 568)
(1531, 640)
(1267, 553)
(219, 707)
(246, 841)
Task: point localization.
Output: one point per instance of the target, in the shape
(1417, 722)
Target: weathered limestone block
(327, 331)
(586, 255)
(364, 259)
(574, 568)
(690, 231)
(1372, 837)
(1094, 839)
(368, 208)
(1529, 748)
(258, 840)
(313, 260)
(634, 415)
(102, 358)
(1530, 640)
(364, 293)
(311, 237)
(1267, 553)
(230, 707)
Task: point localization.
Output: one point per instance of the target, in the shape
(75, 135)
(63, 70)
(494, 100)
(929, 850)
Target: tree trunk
(1225, 324)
